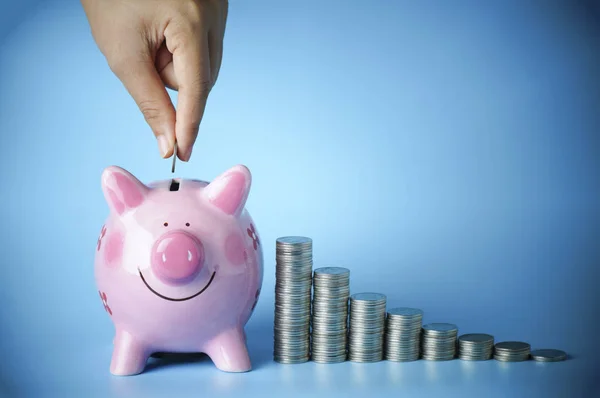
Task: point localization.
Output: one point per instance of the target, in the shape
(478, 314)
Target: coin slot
(174, 185)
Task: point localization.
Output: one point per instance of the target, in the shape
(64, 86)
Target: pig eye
(187, 224)
(166, 224)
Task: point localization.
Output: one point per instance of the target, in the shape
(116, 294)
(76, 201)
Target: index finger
(191, 66)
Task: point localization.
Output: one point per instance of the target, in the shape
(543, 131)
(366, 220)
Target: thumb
(142, 81)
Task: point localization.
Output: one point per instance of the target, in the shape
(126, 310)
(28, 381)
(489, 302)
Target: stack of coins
(548, 355)
(331, 286)
(403, 334)
(475, 347)
(511, 351)
(367, 327)
(438, 342)
(293, 283)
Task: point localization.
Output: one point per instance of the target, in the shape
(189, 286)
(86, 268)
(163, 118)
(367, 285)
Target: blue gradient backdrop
(448, 154)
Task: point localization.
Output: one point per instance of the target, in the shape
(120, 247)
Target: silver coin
(174, 157)
(366, 332)
(548, 355)
(475, 347)
(401, 359)
(294, 240)
(405, 312)
(475, 338)
(512, 346)
(331, 289)
(293, 288)
(377, 297)
(439, 341)
(435, 328)
(511, 359)
(520, 355)
(288, 360)
(326, 271)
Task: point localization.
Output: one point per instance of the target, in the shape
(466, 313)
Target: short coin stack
(438, 342)
(367, 327)
(293, 284)
(512, 351)
(475, 347)
(548, 355)
(331, 287)
(403, 334)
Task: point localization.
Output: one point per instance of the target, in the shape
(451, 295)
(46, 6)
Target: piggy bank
(179, 268)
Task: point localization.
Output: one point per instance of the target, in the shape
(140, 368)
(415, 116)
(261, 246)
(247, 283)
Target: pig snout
(177, 258)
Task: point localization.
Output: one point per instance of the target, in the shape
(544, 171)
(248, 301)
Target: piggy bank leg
(129, 355)
(228, 351)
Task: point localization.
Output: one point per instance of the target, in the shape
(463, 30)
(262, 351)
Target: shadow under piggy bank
(160, 359)
(260, 349)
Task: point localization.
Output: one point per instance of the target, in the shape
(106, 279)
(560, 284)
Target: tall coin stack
(367, 327)
(475, 347)
(403, 334)
(438, 342)
(293, 284)
(331, 287)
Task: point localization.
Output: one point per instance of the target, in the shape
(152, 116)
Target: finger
(215, 45)
(139, 76)
(164, 66)
(191, 65)
(168, 77)
(215, 42)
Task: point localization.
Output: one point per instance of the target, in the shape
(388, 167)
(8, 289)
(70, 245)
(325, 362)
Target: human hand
(154, 44)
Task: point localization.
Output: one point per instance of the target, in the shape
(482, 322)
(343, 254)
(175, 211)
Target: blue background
(448, 154)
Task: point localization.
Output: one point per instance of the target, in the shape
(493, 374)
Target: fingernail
(163, 145)
(185, 155)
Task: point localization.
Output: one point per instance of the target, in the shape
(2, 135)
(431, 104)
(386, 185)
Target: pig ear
(122, 190)
(229, 191)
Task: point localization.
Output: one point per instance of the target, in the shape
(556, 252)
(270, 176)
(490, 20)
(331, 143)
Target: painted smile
(177, 299)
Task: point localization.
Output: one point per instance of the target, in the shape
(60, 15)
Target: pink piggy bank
(179, 268)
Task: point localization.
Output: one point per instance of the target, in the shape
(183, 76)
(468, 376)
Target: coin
(512, 346)
(475, 347)
(438, 341)
(366, 327)
(512, 351)
(331, 289)
(440, 329)
(548, 355)
(174, 157)
(293, 283)
(403, 334)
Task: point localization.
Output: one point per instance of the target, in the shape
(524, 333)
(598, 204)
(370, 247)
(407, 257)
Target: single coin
(368, 297)
(512, 346)
(548, 355)
(440, 327)
(475, 338)
(294, 240)
(174, 157)
(332, 270)
(405, 312)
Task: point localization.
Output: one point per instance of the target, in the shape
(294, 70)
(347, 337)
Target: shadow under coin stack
(512, 351)
(403, 334)
(367, 327)
(438, 341)
(293, 284)
(475, 347)
(331, 288)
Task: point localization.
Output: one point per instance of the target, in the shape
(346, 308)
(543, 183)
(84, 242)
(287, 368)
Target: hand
(150, 44)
